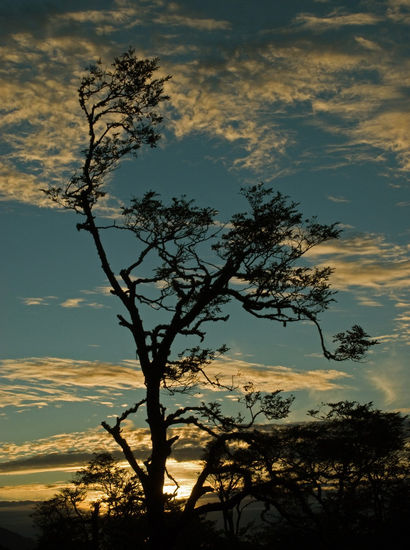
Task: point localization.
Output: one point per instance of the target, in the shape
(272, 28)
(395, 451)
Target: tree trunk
(155, 502)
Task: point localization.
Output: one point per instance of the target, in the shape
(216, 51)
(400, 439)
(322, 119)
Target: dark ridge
(13, 541)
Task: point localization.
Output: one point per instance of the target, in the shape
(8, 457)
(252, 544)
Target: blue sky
(311, 97)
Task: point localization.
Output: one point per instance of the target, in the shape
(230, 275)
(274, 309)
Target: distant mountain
(13, 541)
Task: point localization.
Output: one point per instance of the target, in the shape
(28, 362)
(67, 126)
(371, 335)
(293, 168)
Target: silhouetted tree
(325, 484)
(103, 509)
(188, 267)
(62, 523)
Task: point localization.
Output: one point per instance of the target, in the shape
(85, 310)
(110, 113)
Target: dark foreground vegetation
(339, 481)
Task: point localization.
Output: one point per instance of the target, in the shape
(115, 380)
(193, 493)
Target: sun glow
(186, 473)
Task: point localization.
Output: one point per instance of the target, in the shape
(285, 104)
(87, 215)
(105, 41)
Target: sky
(310, 97)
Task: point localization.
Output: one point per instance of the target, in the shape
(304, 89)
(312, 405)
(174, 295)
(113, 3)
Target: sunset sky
(309, 96)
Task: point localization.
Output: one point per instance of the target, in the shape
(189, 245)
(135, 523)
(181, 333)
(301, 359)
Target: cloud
(269, 378)
(184, 472)
(399, 11)
(43, 130)
(374, 268)
(199, 24)
(18, 395)
(276, 78)
(38, 382)
(391, 379)
(70, 372)
(20, 186)
(403, 326)
(368, 302)
(337, 199)
(113, 18)
(368, 44)
(72, 302)
(61, 450)
(35, 492)
(367, 261)
(335, 20)
(54, 462)
(66, 452)
(386, 131)
(38, 301)
(249, 98)
(379, 275)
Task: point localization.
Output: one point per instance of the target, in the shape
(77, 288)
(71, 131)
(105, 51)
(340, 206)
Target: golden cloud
(70, 372)
(269, 378)
(366, 261)
(38, 301)
(93, 440)
(51, 380)
(184, 471)
(19, 186)
(67, 451)
(369, 263)
(228, 98)
(30, 491)
(335, 20)
(399, 11)
(388, 131)
(72, 302)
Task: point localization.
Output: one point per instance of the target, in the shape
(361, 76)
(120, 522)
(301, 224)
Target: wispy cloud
(391, 379)
(38, 382)
(69, 303)
(244, 98)
(337, 199)
(335, 20)
(72, 302)
(368, 44)
(270, 378)
(399, 11)
(374, 269)
(70, 372)
(17, 185)
(386, 131)
(366, 261)
(368, 302)
(35, 492)
(62, 450)
(38, 301)
(200, 24)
